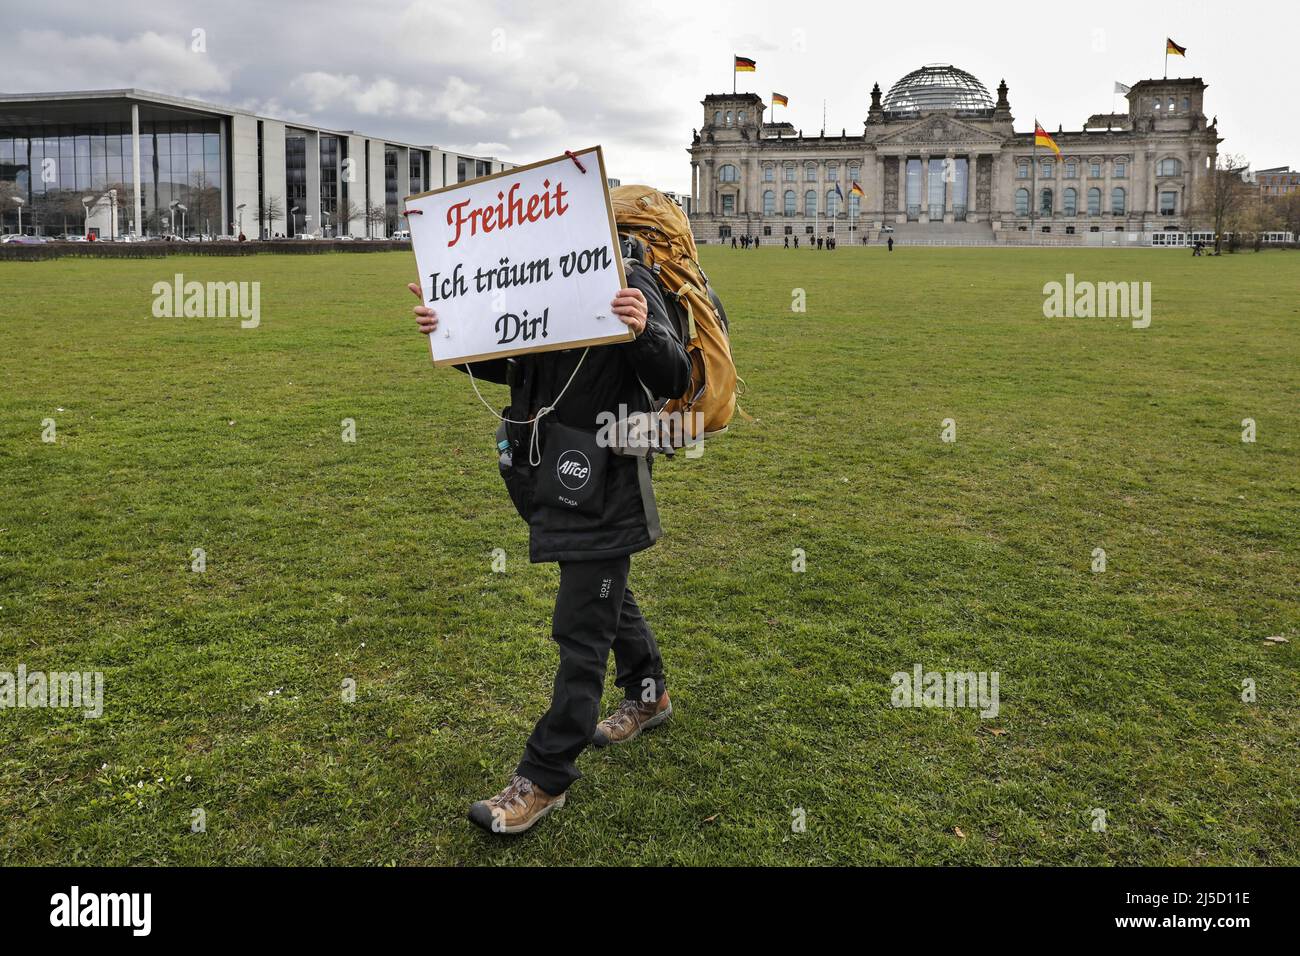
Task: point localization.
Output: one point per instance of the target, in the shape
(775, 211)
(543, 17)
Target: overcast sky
(524, 81)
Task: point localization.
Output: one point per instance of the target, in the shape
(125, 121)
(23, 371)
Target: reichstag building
(939, 158)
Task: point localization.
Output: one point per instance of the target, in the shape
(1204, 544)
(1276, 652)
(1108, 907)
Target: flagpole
(1033, 185)
(1166, 59)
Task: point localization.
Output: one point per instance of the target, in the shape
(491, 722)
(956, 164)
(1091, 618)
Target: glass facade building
(68, 165)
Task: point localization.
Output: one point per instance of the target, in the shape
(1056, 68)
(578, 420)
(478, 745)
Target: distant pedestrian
(787, 242)
(891, 243)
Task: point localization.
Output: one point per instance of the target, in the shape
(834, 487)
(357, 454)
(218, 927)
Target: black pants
(594, 612)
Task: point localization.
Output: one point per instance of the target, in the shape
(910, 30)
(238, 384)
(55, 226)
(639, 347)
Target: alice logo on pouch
(573, 469)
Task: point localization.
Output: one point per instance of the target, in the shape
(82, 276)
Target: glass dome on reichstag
(937, 86)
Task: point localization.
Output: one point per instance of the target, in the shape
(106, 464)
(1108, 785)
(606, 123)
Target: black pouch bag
(571, 476)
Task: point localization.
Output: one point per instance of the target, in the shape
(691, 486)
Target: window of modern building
(295, 178)
(1022, 202)
(1168, 202)
(788, 204)
(329, 180)
(1094, 201)
(769, 203)
(1117, 201)
(462, 169)
(1070, 199)
(727, 173)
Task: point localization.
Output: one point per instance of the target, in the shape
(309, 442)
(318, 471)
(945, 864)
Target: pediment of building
(939, 130)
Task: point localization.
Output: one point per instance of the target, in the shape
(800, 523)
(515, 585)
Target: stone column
(950, 167)
(925, 187)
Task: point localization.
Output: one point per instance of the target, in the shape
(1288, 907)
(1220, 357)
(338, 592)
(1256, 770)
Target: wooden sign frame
(593, 159)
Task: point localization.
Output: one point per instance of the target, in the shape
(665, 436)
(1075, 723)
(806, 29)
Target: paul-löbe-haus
(939, 160)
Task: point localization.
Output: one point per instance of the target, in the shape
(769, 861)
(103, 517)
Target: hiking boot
(516, 808)
(630, 719)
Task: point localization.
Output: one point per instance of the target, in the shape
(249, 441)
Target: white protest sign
(522, 261)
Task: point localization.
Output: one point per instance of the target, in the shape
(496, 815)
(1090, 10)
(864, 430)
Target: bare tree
(1221, 195)
(347, 213)
(268, 211)
(375, 217)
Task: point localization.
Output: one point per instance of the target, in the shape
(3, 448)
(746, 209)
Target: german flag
(1174, 48)
(780, 99)
(1042, 139)
(745, 65)
(856, 190)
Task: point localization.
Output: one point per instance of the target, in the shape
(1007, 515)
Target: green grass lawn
(1119, 691)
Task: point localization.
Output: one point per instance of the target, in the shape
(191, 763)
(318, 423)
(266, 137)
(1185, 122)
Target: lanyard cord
(534, 447)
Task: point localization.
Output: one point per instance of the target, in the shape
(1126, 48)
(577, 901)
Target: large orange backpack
(664, 244)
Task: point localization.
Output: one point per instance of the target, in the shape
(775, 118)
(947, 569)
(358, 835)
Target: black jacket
(607, 379)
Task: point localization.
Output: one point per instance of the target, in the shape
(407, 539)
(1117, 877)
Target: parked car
(886, 228)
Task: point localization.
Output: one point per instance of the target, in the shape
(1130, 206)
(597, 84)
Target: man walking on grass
(594, 609)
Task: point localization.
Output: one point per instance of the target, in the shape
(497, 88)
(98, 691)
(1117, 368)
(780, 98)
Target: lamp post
(292, 223)
(19, 201)
(240, 209)
(112, 215)
(176, 205)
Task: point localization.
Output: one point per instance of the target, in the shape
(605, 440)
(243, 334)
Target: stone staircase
(939, 234)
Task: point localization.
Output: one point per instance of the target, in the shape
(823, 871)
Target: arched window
(769, 203)
(1169, 167)
(810, 203)
(789, 202)
(727, 173)
(832, 203)
(810, 172)
(717, 117)
(1022, 202)
(1094, 201)
(740, 118)
(1171, 104)
(728, 117)
(1045, 205)
(1071, 199)
(1117, 198)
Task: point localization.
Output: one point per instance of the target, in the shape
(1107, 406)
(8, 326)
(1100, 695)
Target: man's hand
(425, 317)
(630, 307)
